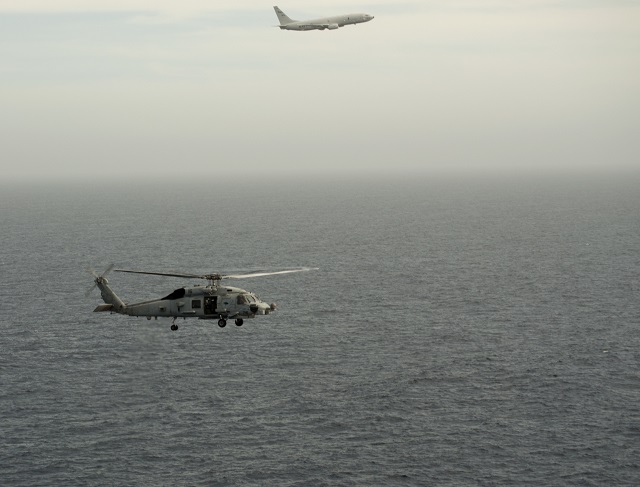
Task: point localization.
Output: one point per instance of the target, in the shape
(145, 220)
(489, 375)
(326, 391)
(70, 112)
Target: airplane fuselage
(327, 22)
(331, 23)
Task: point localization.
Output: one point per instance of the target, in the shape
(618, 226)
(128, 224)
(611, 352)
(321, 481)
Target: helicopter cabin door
(210, 305)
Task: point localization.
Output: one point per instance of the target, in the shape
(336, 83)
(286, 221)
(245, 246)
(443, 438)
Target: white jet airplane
(322, 23)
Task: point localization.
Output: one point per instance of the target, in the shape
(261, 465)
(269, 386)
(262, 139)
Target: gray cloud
(422, 87)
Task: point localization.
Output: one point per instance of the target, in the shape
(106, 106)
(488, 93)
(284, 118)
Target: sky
(193, 89)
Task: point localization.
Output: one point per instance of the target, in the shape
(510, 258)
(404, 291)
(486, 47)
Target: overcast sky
(199, 88)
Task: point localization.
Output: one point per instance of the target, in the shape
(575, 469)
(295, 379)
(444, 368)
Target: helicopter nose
(265, 309)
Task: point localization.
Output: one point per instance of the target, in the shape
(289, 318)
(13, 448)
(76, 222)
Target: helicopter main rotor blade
(260, 274)
(168, 274)
(217, 277)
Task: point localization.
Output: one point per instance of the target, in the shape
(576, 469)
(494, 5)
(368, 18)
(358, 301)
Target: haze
(199, 89)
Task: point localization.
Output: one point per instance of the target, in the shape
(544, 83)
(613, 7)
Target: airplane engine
(333, 26)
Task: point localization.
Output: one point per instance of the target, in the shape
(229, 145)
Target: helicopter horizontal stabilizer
(103, 307)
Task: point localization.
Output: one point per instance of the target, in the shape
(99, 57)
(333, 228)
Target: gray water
(457, 332)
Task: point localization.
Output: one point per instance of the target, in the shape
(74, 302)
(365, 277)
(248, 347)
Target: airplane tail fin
(282, 17)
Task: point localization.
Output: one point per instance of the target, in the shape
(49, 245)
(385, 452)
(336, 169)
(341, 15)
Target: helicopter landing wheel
(174, 327)
(239, 321)
(222, 322)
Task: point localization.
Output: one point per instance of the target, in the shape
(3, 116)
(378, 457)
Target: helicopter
(206, 302)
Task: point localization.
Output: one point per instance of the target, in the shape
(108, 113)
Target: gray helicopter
(206, 302)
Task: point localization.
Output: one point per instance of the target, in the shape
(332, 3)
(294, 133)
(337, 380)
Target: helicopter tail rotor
(97, 278)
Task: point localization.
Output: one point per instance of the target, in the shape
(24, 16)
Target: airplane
(206, 302)
(330, 23)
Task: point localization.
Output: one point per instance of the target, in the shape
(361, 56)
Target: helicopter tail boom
(113, 302)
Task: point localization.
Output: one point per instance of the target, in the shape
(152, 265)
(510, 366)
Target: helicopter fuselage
(203, 302)
(213, 301)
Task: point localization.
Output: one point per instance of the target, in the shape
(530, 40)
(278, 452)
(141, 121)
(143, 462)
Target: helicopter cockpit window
(177, 294)
(241, 299)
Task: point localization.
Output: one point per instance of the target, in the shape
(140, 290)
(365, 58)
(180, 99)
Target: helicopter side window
(195, 304)
(241, 299)
(177, 294)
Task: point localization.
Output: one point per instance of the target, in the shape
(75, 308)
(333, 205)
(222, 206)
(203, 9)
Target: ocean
(457, 331)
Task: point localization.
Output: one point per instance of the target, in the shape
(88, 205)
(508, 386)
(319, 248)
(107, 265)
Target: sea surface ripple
(456, 333)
